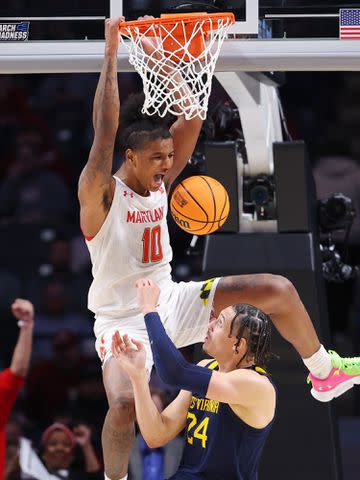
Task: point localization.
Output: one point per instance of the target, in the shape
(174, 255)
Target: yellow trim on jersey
(206, 289)
(213, 365)
(261, 370)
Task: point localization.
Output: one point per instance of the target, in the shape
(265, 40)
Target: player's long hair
(137, 128)
(254, 325)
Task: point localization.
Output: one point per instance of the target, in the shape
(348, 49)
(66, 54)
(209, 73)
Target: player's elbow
(279, 285)
(155, 441)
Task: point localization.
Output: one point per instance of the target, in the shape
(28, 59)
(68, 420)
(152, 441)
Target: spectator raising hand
(23, 311)
(12, 379)
(83, 437)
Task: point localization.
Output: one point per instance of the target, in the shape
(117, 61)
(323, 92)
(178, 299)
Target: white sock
(107, 478)
(319, 363)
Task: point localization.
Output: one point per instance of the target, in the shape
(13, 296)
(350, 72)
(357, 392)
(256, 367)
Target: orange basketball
(200, 205)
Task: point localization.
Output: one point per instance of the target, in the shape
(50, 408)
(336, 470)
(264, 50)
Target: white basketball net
(176, 81)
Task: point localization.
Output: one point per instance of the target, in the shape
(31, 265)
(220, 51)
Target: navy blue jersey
(219, 445)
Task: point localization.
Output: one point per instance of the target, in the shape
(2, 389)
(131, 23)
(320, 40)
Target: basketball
(200, 205)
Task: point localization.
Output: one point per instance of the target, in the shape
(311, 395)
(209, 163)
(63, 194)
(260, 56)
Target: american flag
(350, 24)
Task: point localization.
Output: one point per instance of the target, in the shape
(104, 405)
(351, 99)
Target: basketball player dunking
(124, 220)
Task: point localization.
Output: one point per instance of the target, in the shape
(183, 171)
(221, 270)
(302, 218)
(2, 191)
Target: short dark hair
(252, 324)
(137, 128)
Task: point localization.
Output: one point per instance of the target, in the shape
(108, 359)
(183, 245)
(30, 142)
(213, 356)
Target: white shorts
(185, 315)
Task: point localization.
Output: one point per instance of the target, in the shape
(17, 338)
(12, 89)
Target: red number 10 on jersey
(152, 251)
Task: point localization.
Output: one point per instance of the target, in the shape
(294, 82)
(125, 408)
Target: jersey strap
(261, 371)
(212, 365)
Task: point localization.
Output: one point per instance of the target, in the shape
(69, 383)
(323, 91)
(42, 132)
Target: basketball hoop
(175, 55)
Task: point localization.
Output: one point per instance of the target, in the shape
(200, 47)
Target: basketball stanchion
(200, 205)
(175, 55)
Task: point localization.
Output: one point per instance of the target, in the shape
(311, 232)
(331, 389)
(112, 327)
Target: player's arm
(239, 387)
(171, 366)
(157, 428)
(185, 133)
(96, 185)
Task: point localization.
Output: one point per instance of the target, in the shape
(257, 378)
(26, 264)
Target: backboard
(246, 11)
(83, 20)
(69, 36)
(69, 20)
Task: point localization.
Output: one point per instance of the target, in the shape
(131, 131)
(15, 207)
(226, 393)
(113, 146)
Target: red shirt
(10, 385)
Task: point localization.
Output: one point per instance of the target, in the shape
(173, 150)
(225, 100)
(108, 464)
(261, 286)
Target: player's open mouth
(158, 178)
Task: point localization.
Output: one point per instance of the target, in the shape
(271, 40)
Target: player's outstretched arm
(95, 184)
(157, 428)
(185, 133)
(171, 366)
(239, 387)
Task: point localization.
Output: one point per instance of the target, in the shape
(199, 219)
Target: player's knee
(280, 287)
(274, 287)
(122, 411)
(280, 291)
(269, 284)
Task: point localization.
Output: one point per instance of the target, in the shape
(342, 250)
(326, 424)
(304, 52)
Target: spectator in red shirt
(12, 379)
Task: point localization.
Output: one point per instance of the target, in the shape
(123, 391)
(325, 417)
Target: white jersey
(132, 243)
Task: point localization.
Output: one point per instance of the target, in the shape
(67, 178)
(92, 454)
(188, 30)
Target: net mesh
(176, 63)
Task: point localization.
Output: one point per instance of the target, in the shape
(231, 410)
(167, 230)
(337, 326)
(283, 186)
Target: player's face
(217, 341)
(151, 163)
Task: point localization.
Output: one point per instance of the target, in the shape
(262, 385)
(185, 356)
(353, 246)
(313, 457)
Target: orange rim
(172, 19)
